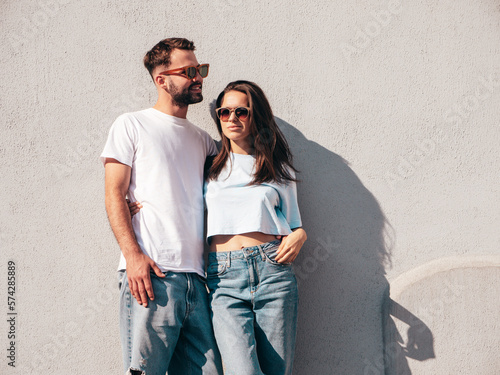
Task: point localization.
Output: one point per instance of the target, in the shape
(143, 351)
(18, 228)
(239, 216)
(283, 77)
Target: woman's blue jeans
(254, 310)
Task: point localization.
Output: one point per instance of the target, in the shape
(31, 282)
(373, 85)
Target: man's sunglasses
(188, 71)
(241, 113)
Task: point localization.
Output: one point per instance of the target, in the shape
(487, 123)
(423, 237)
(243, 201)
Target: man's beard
(184, 98)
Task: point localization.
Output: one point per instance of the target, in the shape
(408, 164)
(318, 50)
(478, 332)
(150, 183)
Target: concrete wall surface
(391, 109)
(437, 305)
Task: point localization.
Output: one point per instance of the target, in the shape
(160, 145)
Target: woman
(251, 200)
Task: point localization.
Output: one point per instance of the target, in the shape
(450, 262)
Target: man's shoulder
(134, 116)
(211, 147)
(132, 120)
(203, 133)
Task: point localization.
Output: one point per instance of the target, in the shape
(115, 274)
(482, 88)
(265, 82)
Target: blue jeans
(173, 333)
(254, 310)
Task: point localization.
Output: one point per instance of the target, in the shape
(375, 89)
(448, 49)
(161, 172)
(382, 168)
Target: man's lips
(195, 88)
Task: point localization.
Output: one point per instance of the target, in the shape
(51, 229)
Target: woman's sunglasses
(188, 71)
(241, 113)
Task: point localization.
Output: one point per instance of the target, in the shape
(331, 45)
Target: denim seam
(129, 321)
(261, 251)
(255, 276)
(193, 299)
(187, 300)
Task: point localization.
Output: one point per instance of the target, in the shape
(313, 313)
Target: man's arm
(139, 265)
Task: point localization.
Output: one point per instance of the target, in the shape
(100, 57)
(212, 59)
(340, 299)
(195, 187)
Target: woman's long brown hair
(273, 159)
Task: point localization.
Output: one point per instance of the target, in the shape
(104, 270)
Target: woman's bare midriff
(239, 241)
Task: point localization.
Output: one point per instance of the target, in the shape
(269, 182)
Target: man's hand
(139, 268)
(290, 246)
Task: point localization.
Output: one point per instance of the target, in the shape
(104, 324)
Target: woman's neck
(243, 148)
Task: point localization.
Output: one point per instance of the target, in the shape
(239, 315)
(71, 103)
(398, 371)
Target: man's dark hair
(160, 53)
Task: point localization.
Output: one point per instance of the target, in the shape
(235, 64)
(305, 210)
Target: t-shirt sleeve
(212, 148)
(289, 205)
(121, 142)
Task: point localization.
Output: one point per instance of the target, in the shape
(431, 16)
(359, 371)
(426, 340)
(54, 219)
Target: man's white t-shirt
(167, 156)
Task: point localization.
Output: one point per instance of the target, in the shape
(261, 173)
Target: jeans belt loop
(228, 259)
(261, 252)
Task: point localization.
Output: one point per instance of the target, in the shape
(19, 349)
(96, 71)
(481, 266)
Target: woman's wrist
(301, 233)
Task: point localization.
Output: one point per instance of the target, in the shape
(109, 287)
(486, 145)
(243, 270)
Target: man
(156, 156)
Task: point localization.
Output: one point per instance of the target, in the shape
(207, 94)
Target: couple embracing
(170, 170)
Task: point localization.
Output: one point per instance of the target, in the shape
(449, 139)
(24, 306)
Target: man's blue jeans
(254, 310)
(173, 333)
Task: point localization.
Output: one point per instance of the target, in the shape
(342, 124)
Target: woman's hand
(291, 245)
(134, 207)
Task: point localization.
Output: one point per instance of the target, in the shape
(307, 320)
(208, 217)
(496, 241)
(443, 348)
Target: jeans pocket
(121, 275)
(271, 254)
(216, 268)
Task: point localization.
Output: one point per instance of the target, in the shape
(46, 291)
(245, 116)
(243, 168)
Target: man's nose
(197, 77)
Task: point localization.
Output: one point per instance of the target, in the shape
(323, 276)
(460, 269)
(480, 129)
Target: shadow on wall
(344, 295)
(419, 342)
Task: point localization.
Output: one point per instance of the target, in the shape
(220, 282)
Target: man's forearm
(139, 265)
(121, 223)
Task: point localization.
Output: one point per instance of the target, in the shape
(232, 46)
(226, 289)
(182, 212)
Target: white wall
(391, 109)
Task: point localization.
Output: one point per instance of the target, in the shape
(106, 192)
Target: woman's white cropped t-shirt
(235, 207)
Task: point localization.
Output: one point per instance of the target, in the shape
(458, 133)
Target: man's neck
(171, 109)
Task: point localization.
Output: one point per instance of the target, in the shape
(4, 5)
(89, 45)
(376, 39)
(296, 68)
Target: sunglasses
(241, 113)
(188, 71)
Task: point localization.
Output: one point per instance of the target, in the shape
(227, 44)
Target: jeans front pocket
(216, 268)
(271, 255)
(121, 274)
